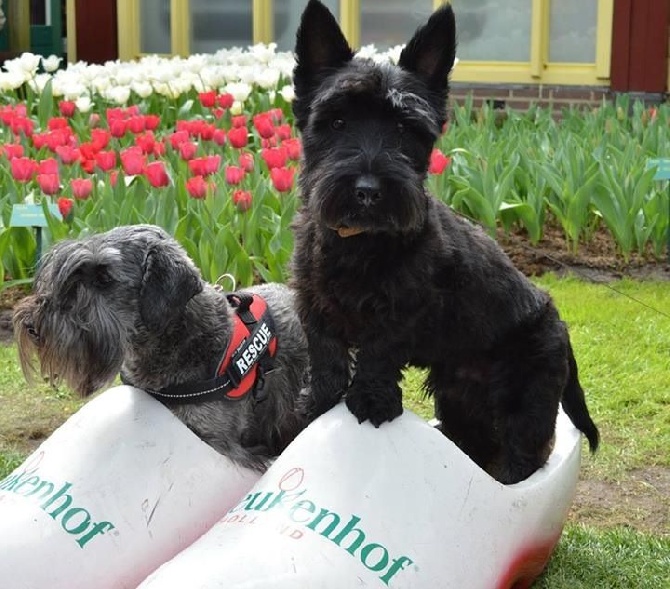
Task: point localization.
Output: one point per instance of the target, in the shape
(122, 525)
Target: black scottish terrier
(382, 267)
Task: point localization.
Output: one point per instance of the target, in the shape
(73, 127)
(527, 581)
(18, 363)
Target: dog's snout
(368, 190)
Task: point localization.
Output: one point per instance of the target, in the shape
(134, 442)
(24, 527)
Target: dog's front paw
(376, 403)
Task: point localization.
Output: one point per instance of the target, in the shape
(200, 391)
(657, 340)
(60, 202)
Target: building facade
(510, 51)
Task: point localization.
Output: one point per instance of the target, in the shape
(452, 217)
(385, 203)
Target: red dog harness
(245, 362)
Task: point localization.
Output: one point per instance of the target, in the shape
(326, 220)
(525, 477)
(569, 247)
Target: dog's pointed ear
(431, 52)
(320, 47)
(168, 283)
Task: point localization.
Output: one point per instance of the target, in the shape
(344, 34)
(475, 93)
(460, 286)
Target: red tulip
(47, 166)
(49, 183)
(136, 124)
(275, 157)
(239, 121)
(234, 175)
(264, 125)
(114, 114)
(22, 125)
(187, 150)
(118, 127)
(247, 161)
(88, 165)
(23, 168)
(65, 207)
(159, 149)
(157, 174)
(225, 100)
(242, 200)
(206, 131)
(88, 150)
(269, 142)
(81, 188)
(55, 123)
(438, 162)
(53, 139)
(219, 137)
(113, 177)
(39, 140)
(67, 108)
(207, 99)
(204, 166)
(238, 136)
(197, 187)
(68, 155)
(105, 160)
(146, 142)
(282, 178)
(293, 148)
(283, 131)
(276, 114)
(178, 137)
(132, 161)
(151, 122)
(100, 138)
(12, 150)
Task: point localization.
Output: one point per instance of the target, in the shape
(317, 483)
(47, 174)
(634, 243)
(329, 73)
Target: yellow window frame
(539, 70)
(128, 20)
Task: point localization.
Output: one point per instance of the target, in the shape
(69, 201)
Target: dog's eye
(338, 124)
(32, 333)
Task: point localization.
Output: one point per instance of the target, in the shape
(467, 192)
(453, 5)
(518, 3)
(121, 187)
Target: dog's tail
(574, 404)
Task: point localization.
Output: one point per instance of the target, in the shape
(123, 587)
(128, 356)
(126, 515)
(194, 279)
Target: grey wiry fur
(131, 298)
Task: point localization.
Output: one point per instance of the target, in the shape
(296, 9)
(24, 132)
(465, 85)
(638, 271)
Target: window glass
(572, 31)
(216, 24)
(387, 23)
(493, 30)
(155, 26)
(287, 18)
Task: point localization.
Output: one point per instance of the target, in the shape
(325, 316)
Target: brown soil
(642, 499)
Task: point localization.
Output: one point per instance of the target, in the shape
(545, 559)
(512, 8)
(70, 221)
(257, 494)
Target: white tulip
(239, 90)
(39, 82)
(51, 63)
(236, 108)
(29, 62)
(287, 93)
(84, 103)
(118, 94)
(142, 88)
(267, 78)
(74, 91)
(15, 79)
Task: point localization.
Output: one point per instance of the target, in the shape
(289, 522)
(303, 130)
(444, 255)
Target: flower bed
(206, 148)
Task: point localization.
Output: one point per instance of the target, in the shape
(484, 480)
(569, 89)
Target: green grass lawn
(623, 351)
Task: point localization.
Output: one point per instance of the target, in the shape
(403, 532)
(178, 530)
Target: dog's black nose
(368, 190)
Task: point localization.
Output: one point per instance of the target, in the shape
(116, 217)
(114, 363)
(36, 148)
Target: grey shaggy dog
(131, 300)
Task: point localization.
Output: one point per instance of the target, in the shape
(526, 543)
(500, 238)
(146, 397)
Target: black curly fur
(416, 284)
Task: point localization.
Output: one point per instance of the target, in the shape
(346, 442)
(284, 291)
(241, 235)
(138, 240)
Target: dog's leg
(501, 408)
(329, 361)
(375, 393)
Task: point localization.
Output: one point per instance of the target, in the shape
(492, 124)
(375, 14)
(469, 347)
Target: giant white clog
(117, 490)
(348, 505)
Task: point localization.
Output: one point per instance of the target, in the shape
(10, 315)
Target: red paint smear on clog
(528, 565)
